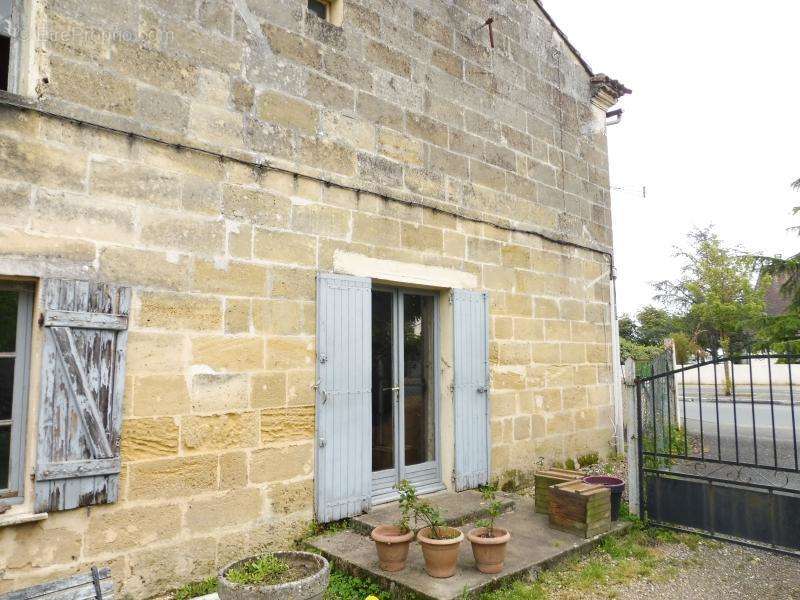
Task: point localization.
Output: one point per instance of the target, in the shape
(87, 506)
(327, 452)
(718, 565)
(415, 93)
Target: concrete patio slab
(533, 547)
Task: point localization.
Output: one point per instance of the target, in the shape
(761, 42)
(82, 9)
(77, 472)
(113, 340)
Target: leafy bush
(638, 352)
(495, 508)
(587, 460)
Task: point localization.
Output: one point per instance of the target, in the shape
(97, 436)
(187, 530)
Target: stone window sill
(18, 519)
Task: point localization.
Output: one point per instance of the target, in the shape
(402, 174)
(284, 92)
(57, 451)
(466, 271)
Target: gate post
(631, 436)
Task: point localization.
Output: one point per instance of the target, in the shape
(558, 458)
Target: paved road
(736, 441)
(780, 394)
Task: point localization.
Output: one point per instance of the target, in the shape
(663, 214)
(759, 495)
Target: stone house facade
(259, 259)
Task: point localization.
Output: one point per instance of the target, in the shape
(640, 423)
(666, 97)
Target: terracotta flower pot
(440, 556)
(392, 546)
(489, 552)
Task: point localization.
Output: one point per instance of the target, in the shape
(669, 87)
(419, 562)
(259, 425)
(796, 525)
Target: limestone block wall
(217, 440)
(405, 99)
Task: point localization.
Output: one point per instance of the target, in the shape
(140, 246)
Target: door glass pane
(418, 379)
(8, 320)
(6, 387)
(5, 452)
(382, 382)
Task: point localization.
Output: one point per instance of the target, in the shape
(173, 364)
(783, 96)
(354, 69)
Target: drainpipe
(616, 373)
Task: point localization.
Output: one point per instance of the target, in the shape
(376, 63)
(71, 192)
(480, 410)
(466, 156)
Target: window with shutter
(471, 388)
(16, 303)
(11, 13)
(83, 380)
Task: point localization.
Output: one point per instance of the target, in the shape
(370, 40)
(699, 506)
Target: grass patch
(195, 589)
(266, 570)
(346, 587)
(616, 561)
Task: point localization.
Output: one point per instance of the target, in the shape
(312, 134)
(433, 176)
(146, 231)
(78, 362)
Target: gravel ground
(718, 570)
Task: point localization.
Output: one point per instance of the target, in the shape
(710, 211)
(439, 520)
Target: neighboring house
(777, 303)
(262, 259)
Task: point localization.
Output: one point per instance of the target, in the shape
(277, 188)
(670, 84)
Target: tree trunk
(726, 346)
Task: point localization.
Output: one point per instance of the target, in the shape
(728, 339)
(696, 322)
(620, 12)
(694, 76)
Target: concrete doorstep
(534, 546)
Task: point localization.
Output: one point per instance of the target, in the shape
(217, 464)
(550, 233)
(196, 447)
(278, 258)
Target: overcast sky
(712, 128)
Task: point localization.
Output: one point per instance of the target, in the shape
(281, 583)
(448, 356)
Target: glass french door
(405, 384)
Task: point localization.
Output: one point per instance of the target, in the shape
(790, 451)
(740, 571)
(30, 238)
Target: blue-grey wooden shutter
(344, 396)
(471, 388)
(83, 380)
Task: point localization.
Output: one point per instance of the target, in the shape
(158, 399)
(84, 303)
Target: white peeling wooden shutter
(471, 388)
(344, 396)
(83, 380)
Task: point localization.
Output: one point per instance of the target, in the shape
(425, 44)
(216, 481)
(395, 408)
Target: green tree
(655, 325)
(784, 330)
(627, 328)
(685, 347)
(716, 293)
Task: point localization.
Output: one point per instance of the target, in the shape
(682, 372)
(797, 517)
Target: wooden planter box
(542, 482)
(581, 508)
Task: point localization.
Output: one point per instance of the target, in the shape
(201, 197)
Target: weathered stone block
(232, 470)
(388, 59)
(290, 352)
(234, 278)
(33, 162)
(400, 147)
(89, 86)
(132, 181)
(144, 268)
(71, 215)
(235, 507)
(281, 463)
(228, 353)
(213, 392)
(15, 243)
(285, 247)
(178, 311)
(422, 238)
(237, 315)
(219, 432)
(110, 531)
(292, 497)
(279, 317)
(369, 229)
(182, 233)
(217, 126)
(427, 129)
(268, 389)
(327, 155)
(287, 424)
(156, 395)
(154, 353)
(287, 111)
(172, 477)
(148, 438)
(292, 284)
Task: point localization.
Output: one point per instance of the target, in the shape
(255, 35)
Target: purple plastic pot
(615, 484)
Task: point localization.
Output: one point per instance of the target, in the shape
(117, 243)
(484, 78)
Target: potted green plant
(440, 543)
(489, 542)
(275, 576)
(392, 541)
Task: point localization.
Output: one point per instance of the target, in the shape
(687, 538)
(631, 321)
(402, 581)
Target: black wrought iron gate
(718, 451)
